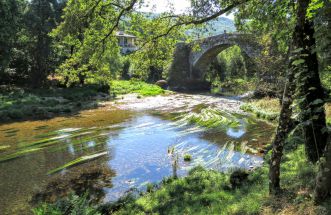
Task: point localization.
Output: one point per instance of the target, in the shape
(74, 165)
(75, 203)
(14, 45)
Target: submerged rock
(88, 180)
(163, 84)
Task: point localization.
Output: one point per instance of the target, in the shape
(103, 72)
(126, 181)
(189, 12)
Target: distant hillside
(215, 27)
(212, 28)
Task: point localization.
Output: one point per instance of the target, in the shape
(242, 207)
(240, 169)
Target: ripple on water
(135, 148)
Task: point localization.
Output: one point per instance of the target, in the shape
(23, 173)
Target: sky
(159, 6)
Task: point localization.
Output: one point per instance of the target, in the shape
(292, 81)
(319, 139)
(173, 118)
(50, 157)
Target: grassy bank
(210, 192)
(266, 108)
(19, 103)
(143, 89)
(269, 109)
(24, 103)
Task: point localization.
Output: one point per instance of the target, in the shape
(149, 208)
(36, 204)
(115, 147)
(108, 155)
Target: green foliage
(73, 205)
(274, 18)
(266, 108)
(234, 62)
(134, 86)
(235, 86)
(202, 191)
(326, 78)
(11, 14)
(328, 113)
(86, 38)
(155, 52)
(209, 192)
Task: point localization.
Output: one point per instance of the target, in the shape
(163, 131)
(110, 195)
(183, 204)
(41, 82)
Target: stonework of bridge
(192, 60)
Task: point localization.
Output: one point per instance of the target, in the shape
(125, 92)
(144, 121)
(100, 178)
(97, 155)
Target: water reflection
(136, 147)
(140, 153)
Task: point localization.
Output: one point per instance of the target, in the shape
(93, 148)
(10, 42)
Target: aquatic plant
(78, 161)
(187, 157)
(174, 160)
(213, 118)
(19, 154)
(90, 179)
(4, 147)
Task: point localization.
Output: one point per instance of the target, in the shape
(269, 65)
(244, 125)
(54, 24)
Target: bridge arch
(192, 60)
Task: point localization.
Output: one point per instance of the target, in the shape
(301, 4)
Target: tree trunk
(309, 89)
(323, 182)
(303, 66)
(282, 130)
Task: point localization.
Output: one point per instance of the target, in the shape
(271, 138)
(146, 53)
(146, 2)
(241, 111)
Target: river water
(124, 145)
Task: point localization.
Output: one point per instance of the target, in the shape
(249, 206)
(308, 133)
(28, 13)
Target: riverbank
(131, 132)
(265, 108)
(20, 104)
(269, 109)
(211, 192)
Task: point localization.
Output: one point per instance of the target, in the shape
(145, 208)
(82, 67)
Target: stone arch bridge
(192, 60)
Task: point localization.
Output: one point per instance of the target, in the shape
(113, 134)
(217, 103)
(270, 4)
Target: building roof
(122, 34)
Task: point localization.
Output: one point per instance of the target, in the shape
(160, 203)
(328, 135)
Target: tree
(154, 55)
(11, 12)
(40, 20)
(304, 67)
(87, 38)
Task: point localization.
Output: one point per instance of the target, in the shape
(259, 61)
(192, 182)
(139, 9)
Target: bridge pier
(181, 77)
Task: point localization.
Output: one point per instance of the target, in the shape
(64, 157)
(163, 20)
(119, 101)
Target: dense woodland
(71, 44)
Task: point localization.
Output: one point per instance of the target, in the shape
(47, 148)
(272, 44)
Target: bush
(237, 86)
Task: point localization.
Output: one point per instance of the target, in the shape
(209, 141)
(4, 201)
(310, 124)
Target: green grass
(19, 103)
(120, 87)
(209, 192)
(266, 108)
(269, 109)
(71, 205)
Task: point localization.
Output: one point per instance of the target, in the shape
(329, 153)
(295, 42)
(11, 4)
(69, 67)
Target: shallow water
(131, 143)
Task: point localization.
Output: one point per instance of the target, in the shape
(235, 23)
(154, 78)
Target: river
(121, 146)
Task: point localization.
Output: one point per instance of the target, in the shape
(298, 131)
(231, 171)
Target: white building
(127, 42)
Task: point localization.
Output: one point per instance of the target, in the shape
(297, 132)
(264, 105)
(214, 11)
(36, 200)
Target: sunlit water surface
(133, 146)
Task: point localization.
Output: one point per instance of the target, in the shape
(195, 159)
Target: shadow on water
(110, 152)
